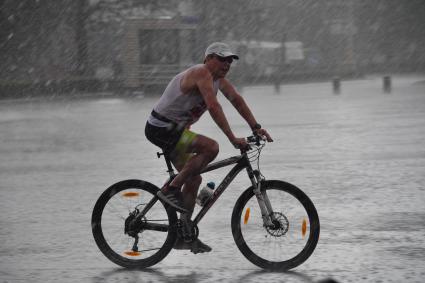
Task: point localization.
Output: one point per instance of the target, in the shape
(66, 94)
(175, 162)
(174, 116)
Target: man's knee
(207, 147)
(212, 149)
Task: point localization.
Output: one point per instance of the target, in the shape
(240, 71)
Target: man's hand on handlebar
(243, 144)
(240, 143)
(263, 133)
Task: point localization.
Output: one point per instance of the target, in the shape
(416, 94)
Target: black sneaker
(195, 247)
(173, 198)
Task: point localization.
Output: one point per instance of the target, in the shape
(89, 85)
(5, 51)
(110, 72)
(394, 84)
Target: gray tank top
(179, 107)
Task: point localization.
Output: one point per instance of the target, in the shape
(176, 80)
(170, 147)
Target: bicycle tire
(313, 231)
(98, 230)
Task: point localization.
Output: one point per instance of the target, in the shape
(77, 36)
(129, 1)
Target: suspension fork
(262, 198)
(268, 205)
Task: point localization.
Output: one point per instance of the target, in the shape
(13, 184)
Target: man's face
(222, 65)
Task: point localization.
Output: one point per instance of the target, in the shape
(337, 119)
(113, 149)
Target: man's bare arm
(204, 83)
(239, 103)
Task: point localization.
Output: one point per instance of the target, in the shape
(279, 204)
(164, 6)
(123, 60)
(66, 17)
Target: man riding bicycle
(188, 95)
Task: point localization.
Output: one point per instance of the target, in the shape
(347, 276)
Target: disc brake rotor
(280, 227)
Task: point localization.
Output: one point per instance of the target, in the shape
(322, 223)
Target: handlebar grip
(245, 149)
(255, 139)
(252, 139)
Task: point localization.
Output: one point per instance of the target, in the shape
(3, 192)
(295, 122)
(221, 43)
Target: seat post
(168, 162)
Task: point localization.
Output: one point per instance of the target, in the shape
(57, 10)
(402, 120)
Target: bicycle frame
(242, 162)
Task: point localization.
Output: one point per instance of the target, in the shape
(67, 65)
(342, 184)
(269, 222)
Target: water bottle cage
(205, 195)
(204, 199)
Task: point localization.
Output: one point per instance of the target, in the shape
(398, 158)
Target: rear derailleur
(132, 229)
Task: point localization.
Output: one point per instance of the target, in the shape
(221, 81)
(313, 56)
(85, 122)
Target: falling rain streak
(339, 84)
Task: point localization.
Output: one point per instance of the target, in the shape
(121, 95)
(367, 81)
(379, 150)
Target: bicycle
(274, 224)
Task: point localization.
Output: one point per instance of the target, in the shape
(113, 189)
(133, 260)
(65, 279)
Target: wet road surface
(360, 156)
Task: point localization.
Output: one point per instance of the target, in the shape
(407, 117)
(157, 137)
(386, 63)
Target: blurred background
(86, 74)
(65, 46)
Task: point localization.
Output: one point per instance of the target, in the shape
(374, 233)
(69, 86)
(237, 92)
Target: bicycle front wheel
(290, 240)
(151, 238)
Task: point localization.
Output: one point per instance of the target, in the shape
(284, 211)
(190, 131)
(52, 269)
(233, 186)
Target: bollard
(277, 79)
(277, 87)
(387, 84)
(336, 82)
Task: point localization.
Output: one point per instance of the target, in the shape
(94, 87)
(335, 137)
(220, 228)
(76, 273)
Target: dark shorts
(163, 137)
(173, 141)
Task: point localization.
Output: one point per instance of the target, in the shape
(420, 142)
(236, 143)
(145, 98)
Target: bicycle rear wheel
(295, 233)
(156, 232)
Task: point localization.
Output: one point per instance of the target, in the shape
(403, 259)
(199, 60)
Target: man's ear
(208, 58)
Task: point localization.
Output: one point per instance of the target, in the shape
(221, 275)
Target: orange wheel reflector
(247, 212)
(130, 194)
(304, 227)
(132, 253)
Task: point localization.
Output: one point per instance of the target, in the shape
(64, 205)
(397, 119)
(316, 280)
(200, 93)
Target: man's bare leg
(190, 189)
(205, 150)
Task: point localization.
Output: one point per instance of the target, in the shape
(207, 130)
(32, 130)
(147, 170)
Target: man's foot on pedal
(174, 198)
(195, 247)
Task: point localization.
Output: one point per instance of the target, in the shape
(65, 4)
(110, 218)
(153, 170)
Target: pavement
(359, 155)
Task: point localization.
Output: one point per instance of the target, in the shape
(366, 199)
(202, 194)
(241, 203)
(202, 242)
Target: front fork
(262, 198)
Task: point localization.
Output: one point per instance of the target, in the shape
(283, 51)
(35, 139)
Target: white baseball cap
(221, 49)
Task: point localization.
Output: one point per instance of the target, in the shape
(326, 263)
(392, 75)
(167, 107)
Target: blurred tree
(5, 26)
(82, 14)
(25, 27)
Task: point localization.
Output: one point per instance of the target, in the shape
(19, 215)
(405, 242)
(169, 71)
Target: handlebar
(254, 140)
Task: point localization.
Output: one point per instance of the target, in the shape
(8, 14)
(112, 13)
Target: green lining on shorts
(182, 145)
